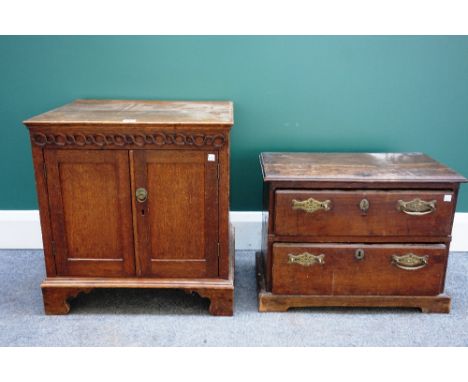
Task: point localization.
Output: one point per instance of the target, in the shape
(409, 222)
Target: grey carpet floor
(172, 318)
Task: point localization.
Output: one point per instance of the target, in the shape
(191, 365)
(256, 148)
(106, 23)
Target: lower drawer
(358, 269)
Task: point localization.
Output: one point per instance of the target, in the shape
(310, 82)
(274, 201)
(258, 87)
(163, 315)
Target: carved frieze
(127, 139)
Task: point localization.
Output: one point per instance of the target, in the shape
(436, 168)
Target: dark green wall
(290, 94)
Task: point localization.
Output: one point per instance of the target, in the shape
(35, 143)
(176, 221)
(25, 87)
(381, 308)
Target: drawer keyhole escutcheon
(306, 259)
(364, 205)
(141, 195)
(359, 254)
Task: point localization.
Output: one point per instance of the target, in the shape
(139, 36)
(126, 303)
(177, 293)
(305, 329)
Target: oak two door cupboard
(134, 194)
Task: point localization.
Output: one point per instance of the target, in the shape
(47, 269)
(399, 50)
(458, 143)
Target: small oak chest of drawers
(355, 230)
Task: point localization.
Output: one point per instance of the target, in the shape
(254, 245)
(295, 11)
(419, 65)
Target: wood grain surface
(271, 302)
(89, 194)
(343, 274)
(178, 223)
(362, 167)
(104, 112)
(347, 219)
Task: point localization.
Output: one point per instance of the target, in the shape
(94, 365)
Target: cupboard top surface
(128, 112)
(352, 167)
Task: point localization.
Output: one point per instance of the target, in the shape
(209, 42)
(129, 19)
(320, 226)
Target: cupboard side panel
(211, 196)
(44, 213)
(223, 213)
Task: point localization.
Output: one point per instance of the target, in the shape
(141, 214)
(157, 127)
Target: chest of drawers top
(356, 167)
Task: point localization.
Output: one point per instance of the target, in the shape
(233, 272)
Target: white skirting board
(21, 230)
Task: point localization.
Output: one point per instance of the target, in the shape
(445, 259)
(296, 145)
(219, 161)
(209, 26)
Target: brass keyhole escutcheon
(364, 205)
(359, 254)
(141, 194)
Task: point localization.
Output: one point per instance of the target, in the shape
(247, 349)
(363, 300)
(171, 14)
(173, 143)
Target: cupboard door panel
(177, 225)
(91, 215)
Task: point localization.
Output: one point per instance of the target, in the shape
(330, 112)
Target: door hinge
(218, 249)
(217, 173)
(44, 169)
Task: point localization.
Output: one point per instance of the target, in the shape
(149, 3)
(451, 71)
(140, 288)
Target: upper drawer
(363, 213)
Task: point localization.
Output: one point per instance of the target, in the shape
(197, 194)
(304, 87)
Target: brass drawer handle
(416, 207)
(410, 261)
(311, 205)
(306, 259)
(141, 194)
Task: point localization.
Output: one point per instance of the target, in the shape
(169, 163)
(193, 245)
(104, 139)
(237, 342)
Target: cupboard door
(89, 196)
(175, 198)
